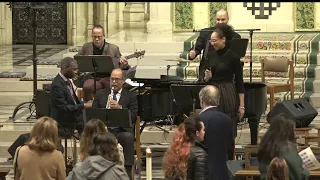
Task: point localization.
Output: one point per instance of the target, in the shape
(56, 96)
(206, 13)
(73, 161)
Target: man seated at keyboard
(117, 97)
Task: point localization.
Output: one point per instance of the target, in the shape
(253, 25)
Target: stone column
(5, 24)
(102, 10)
(90, 20)
(112, 19)
(160, 18)
(74, 24)
(133, 15)
(120, 8)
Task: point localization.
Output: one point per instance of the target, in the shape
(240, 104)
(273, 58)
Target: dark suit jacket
(127, 100)
(202, 42)
(218, 139)
(63, 108)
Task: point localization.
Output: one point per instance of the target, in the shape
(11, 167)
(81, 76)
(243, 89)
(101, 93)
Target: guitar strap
(106, 45)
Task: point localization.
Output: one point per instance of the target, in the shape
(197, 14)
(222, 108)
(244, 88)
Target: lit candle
(149, 164)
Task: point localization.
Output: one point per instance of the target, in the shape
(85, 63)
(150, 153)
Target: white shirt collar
(206, 108)
(63, 77)
(119, 92)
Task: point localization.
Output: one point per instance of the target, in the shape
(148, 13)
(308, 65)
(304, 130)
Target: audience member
(186, 157)
(103, 161)
(39, 159)
(219, 133)
(278, 170)
(279, 141)
(92, 127)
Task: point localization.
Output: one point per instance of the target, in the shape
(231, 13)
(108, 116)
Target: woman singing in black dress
(225, 72)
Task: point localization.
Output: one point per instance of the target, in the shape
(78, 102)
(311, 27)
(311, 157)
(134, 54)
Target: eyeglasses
(115, 79)
(212, 40)
(97, 37)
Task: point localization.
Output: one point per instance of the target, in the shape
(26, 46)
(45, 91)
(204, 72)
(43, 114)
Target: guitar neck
(130, 56)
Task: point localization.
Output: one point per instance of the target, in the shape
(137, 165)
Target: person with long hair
(39, 159)
(92, 127)
(279, 141)
(278, 170)
(186, 157)
(102, 162)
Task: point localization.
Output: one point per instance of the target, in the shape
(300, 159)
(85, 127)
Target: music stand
(239, 46)
(96, 64)
(111, 117)
(186, 95)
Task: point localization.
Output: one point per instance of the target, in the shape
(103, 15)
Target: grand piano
(156, 100)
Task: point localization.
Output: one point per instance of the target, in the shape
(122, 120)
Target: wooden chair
(74, 149)
(137, 146)
(278, 64)
(248, 150)
(4, 172)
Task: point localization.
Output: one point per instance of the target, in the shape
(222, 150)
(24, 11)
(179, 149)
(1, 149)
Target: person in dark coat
(279, 141)
(186, 157)
(219, 133)
(66, 107)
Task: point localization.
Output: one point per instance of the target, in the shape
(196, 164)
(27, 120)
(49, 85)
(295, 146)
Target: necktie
(114, 97)
(69, 84)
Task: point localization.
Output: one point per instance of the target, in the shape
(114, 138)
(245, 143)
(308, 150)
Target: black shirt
(97, 51)
(226, 67)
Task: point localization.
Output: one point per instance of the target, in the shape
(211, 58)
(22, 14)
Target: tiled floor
(16, 58)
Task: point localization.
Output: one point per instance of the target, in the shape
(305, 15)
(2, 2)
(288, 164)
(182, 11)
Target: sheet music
(134, 84)
(309, 160)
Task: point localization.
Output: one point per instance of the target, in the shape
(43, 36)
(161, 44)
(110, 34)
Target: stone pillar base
(159, 27)
(133, 15)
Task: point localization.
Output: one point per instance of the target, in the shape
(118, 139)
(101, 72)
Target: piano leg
(254, 125)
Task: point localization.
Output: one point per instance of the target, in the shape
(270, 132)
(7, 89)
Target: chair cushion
(276, 64)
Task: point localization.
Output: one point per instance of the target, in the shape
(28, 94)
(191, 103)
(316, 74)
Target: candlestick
(149, 164)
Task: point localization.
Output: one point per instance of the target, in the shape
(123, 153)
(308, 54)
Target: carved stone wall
(269, 17)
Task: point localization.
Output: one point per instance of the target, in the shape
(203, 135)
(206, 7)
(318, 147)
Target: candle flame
(148, 150)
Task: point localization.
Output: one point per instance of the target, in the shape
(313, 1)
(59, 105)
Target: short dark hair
(98, 26)
(65, 62)
(224, 31)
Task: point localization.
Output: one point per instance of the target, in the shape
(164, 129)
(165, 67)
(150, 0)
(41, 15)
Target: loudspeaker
(299, 109)
(43, 107)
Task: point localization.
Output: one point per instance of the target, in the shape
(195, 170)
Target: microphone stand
(250, 34)
(95, 69)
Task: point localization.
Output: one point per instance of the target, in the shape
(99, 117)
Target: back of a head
(210, 95)
(278, 170)
(105, 145)
(44, 135)
(278, 136)
(92, 127)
